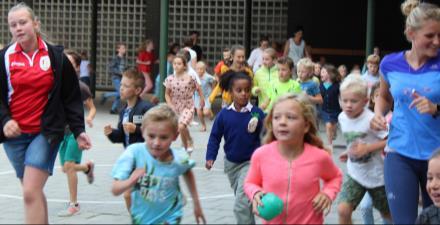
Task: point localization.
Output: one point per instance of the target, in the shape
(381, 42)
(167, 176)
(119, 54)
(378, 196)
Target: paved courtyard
(99, 206)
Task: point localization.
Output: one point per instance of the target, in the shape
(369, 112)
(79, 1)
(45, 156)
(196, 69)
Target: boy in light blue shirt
(151, 171)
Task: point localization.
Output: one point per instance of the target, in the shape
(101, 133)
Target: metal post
(164, 4)
(248, 27)
(370, 28)
(93, 46)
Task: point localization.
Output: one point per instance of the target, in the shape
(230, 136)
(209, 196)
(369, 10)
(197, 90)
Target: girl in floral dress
(179, 91)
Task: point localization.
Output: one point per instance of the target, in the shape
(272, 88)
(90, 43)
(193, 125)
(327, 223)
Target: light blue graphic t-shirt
(310, 87)
(156, 197)
(412, 134)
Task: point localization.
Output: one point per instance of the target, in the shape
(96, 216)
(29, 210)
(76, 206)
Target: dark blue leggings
(403, 177)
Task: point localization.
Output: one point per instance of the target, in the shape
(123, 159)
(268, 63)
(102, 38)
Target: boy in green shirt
(283, 85)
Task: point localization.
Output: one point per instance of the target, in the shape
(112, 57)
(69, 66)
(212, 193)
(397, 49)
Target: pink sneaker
(90, 175)
(72, 209)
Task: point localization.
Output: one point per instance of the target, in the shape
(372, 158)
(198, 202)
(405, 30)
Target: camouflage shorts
(353, 192)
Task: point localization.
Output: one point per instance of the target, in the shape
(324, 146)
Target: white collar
(247, 108)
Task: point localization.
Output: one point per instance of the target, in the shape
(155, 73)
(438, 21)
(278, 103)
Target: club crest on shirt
(45, 63)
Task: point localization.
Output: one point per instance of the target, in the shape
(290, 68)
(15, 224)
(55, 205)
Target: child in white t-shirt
(365, 164)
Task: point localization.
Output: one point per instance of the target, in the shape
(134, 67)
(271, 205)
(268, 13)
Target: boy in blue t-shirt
(305, 69)
(151, 172)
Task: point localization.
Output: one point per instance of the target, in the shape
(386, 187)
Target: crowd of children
(271, 108)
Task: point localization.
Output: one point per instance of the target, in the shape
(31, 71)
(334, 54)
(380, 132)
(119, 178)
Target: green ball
(272, 206)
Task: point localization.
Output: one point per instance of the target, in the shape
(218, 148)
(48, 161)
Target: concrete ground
(98, 205)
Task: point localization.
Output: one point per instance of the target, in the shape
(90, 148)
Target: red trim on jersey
(32, 79)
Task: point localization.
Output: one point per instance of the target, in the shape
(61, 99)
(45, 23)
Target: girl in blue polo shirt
(240, 124)
(410, 84)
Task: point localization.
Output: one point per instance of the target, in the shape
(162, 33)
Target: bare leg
(148, 83)
(183, 135)
(345, 210)
(35, 204)
(71, 168)
(201, 116)
(329, 128)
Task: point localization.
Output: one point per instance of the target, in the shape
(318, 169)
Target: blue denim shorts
(30, 150)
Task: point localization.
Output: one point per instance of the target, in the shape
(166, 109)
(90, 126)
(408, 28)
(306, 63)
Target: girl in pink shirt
(292, 163)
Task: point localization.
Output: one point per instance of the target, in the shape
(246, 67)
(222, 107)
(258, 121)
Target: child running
(240, 124)
(267, 73)
(366, 205)
(431, 214)
(128, 130)
(70, 154)
(207, 84)
(283, 85)
(180, 88)
(330, 109)
(238, 53)
(292, 163)
(151, 171)
(305, 69)
(145, 61)
(365, 165)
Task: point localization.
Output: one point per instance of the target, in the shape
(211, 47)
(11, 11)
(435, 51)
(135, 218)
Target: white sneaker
(194, 123)
(72, 209)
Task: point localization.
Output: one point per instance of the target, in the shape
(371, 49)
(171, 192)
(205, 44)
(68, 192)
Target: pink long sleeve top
(296, 182)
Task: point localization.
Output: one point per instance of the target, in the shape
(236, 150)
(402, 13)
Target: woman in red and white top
(39, 95)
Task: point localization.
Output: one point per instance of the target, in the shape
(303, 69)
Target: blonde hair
(374, 59)
(309, 114)
(33, 17)
(201, 63)
(417, 13)
(306, 63)
(161, 113)
(271, 52)
(356, 84)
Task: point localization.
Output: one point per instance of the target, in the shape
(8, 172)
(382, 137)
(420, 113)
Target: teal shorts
(69, 150)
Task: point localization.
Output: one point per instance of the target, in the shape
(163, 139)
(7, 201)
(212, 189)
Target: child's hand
(209, 164)
(198, 213)
(378, 123)
(137, 173)
(322, 203)
(358, 149)
(256, 201)
(108, 130)
(129, 128)
(89, 122)
(343, 157)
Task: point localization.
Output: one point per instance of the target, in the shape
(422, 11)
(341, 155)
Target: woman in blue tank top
(410, 84)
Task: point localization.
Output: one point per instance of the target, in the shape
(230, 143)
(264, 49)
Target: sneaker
(113, 112)
(194, 123)
(189, 150)
(72, 209)
(90, 175)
